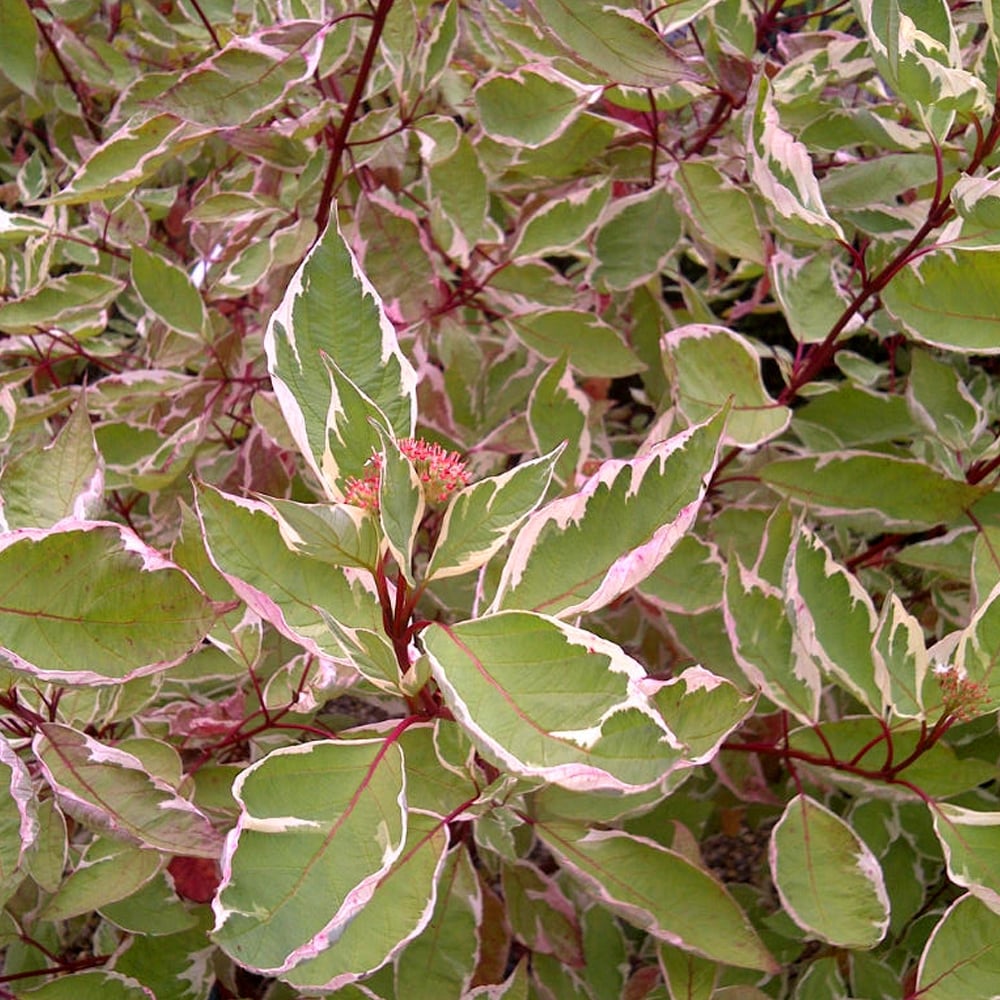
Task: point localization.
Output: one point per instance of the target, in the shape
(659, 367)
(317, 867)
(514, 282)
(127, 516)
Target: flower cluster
(441, 474)
(963, 698)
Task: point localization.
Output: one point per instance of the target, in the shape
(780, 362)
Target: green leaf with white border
(401, 506)
(19, 825)
(560, 224)
(330, 307)
(708, 365)
(91, 984)
(950, 299)
(527, 108)
(619, 45)
(565, 561)
(782, 172)
(396, 913)
(168, 292)
(901, 656)
(481, 517)
(289, 590)
(962, 956)
(89, 603)
(557, 416)
(700, 709)
(591, 345)
(339, 534)
(39, 487)
(896, 493)
(827, 878)
(970, 840)
(765, 646)
(300, 866)
(441, 961)
(834, 620)
(977, 653)
(81, 294)
(940, 400)
(552, 701)
(110, 790)
(643, 882)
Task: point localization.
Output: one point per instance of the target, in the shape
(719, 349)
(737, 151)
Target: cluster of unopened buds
(963, 698)
(441, 474)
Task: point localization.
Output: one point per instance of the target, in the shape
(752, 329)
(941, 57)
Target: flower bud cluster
(963, 698)
(441, 474)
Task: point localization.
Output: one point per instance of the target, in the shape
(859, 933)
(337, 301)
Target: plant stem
(350, 110)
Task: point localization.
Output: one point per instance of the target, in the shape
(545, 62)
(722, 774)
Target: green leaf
(91, 984)
(168, 293)
(330, 307)
(621, 48)
(782, 172)
(551, 701)
(764, 646)
(970, 839)
(565, 561)
(18, 44)
(557, 418)
(285, 588)
(110, 790)
(950, 299)
(902, 493)
(637, 235)
(828, 880)
(591, 346)
(155, 961)
(108, 872)
(19, 821)
(899, 650)
(962, 955)
(59, 300)
(939, 399)
(722, 212)
(540, 914)
(481, 517)
(397, 912)
(708, 365)
(300, 866)
(643, 882)
(94, 605)
(401, 506)
(526, 108)
(689, 580)
(41, 486)
(561, 224)
(339, 534)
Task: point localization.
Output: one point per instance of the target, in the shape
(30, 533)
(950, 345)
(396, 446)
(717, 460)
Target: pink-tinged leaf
(541, 916)
(970, 839)
(330, 307)
(548, 700)
(660, 891)
(829, 881)
(110, 790)
(320, 825)
(397, 913)
(89, 603)
(565, 561)
(18, 815)
(527, 107)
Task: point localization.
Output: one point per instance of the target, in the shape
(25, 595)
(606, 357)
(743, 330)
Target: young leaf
(551, 701)
(643, 883)
(300, 866)
(481, 517)
(828, 880)
(401, 506)
(110, 790)
(91, 604)
(565, 561)
(330, 307)
(707, 365)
